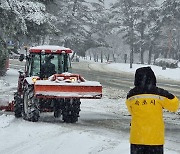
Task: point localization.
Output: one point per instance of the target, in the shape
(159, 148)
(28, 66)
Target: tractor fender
(30, 80)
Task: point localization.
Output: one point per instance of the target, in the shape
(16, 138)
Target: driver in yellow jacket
(146, 102)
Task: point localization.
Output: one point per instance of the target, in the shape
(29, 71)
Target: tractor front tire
(30, 108)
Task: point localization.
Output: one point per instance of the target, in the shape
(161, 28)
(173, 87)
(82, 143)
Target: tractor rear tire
(17, 110)
(30, 108)
(57, 110)
(70, 111)
(57, 113)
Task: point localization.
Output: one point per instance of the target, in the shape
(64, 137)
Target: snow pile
(169, 73)
(165, 62)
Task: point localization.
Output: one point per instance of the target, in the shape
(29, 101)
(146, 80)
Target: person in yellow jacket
(146, 102)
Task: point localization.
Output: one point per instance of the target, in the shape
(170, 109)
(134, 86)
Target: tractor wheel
(57, 113)
(17, 106)
(71, 110)
(57, 109)
(30, 107)
(17, 110)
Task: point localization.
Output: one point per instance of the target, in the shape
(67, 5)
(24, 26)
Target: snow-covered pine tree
(20, 19)
(170, 13)
(24, 18)
(143, 25)
(125, 14)
(99, 29)
(72, 18)
(135, 19)
(76, 21)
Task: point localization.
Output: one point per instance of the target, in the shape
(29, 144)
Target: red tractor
(50, 87)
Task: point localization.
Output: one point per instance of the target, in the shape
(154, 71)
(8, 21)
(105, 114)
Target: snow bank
(165, 62)
(173, 74)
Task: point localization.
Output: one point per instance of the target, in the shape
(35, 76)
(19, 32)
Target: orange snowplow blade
(68, 91)
(68, 88)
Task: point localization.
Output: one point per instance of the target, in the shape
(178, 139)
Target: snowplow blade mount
(67, 85)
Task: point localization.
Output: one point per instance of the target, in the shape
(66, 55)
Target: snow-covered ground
(50, 136)
(172, 74)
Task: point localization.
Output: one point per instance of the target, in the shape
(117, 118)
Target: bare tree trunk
(132, 46)
(89, 55)
(94, 56)
(107, 57)
(142, 40)
(142, 55)
(114, 58)
(150, 52)
(166, 54)
(101, 57)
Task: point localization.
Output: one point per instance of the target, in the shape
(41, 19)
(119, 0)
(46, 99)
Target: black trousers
(146, 149)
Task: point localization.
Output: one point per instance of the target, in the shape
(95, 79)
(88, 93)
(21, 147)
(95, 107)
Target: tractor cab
(44, 61)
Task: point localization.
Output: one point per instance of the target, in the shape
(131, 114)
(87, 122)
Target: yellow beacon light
(34, 79)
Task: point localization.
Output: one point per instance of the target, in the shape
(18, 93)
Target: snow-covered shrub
(165, 62)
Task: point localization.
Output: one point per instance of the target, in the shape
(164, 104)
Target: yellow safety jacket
(147, 125)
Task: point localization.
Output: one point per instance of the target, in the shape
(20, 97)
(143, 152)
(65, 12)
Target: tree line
(128, 26)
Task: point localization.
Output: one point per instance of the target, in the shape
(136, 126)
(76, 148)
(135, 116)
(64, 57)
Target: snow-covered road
(103, 128)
